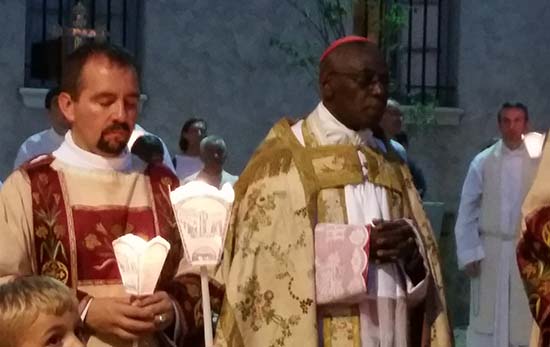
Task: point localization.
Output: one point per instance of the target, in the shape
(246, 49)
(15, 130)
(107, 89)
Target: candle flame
(533, 143)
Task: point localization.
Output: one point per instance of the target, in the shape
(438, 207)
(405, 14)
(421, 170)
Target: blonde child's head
(37, 311)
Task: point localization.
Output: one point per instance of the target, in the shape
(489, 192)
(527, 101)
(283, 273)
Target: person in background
(138, 132)
(213, 155)
(416, 172)
(47, 140)
(191, 135)
(391, 125)
(149, 148)
(486, 231)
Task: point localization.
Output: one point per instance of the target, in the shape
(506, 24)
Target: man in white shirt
(486, 232)
(213, 155)
(391, 124)
(47, 140)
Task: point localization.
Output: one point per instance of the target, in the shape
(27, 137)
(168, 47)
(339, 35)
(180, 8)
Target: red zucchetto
(341, 41)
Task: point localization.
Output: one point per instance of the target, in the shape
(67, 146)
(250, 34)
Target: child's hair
(23, 299)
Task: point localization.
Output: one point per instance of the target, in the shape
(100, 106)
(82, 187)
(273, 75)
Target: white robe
(187, 165)
(486, 230)
(226, 178)
(43, 142)
(365, 202)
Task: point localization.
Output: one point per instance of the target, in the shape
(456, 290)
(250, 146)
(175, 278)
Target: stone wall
(16, 121)
(205, 59)
(212, 59)
(501, 57)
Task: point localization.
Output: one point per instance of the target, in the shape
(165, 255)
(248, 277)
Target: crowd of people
(328, 243)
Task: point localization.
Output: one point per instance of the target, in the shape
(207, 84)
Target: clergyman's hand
(161, 306)
(118, 317)
(391, 241)
(473, 269)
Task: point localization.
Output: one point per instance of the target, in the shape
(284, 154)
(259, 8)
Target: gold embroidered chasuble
(268, 265)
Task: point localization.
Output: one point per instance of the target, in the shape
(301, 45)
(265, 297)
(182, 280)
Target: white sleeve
(22, 156)
(468, 243)
(16, 233)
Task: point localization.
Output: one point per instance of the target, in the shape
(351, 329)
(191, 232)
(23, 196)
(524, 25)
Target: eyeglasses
(366, 79)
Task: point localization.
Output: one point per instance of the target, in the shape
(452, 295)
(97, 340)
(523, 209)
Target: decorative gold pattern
(257, 308)
(269, 249)
(55, 269)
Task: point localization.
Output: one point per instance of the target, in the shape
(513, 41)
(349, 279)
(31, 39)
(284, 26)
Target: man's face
(392, 121)
(360, 88)
(512, 126)
(103, 117)
(52, 331)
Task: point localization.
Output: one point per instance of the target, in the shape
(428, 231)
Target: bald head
(213, 150)
(353, 81)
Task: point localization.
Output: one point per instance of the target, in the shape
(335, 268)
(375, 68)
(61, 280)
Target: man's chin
(112, 149)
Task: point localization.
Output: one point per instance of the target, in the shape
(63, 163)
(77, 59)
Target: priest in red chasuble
(61, 211)
(328, 243)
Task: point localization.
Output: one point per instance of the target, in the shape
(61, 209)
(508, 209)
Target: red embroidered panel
(95, 230)
(51, 239)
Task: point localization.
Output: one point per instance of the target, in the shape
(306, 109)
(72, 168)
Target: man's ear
(66, 106)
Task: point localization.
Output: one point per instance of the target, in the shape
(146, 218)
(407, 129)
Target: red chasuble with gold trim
(78, 213)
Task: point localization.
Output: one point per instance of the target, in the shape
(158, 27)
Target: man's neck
(212, 170)
(73, 153)
(211, 175)
(512, 145)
